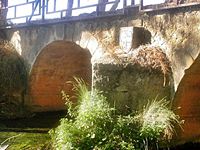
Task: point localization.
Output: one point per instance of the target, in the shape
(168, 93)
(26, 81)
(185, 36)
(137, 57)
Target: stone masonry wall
(176, 31)
(130, 88)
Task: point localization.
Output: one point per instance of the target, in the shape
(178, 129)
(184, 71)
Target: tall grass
(93, 125)
(157, 117)
(158, 122)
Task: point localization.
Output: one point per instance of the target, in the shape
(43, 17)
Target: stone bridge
(54, 53)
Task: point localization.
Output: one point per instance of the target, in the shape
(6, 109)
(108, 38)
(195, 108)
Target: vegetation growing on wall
(146, 56)
(93, 124)
(13, 79)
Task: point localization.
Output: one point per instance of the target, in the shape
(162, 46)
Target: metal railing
(37, 11)
(14, 8)
(41, 9)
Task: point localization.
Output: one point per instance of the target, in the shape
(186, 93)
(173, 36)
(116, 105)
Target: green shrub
(89, 124)
(94, 125)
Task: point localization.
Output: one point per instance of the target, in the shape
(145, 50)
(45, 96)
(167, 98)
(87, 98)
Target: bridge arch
(187, 101)
(57, 63)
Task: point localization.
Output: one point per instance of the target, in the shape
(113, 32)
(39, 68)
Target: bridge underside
(57, 63)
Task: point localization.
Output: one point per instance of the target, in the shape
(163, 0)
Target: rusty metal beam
(101, 5)
(124, 3)
(43, 9)
(132, 2)
(69, 7)
(141, 6)
(115, 5)
(79, 3)
(33, 11)
(4, 3)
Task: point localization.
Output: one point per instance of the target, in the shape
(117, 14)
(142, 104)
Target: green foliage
(25, 141)
(125, 133)
(88, 123)
(94, 125)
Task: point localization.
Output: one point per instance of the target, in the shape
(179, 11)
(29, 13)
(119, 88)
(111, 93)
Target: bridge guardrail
(40, 11)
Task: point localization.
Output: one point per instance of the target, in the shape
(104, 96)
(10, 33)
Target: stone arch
(187, 101)
(57, 63)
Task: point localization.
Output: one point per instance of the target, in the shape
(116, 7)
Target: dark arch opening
(57, 63)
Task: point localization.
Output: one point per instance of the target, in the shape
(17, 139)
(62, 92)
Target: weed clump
(94, 125)
(157, 122)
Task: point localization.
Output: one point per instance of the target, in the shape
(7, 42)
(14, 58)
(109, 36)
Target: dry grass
(150, 57)
(158, 118)
(146, 56)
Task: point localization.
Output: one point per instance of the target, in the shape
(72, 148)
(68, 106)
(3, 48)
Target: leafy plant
(88, 124)
(94, 125)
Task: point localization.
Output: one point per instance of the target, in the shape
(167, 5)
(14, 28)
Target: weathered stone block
(133, 37)
(129, 88)
(136, 80)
